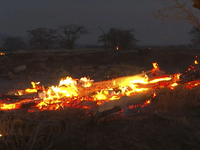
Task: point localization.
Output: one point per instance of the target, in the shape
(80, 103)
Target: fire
(72, 92)
(117, 48)
(165, 78)
(176, 77)
(155, 65)
(196, 61)
(13, 106)
(86, 82)
(2, 53)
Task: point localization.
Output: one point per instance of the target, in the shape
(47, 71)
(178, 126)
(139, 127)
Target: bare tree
(195, 33)
(120, 38)
(70, 33)
(103, 38)
(42, 37)
(179, 10)
(13, 43)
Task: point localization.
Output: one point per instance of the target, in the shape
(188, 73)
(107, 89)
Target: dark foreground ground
(170, 122)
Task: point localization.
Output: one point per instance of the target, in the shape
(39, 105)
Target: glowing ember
(176, 77)
(72, 92)
(155, 65)
(117, 48)
(167, 78)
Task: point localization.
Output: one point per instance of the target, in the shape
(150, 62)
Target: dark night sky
(18, 16)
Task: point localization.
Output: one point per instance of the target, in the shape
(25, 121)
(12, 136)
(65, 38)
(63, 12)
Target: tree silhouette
(69, 34)
(195, 33)
(13, 43)
(179, 10)
(118, 38)
(103, 38)
(42, 38)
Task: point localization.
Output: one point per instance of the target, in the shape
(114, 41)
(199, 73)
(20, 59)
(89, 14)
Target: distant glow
(117, 48)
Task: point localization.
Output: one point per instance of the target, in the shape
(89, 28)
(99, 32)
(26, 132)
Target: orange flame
(155, 65)
(117, 48)
(71, 92)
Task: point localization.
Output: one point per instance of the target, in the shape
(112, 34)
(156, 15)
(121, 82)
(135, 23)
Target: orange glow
(31, 90)
(155, 65)
(167, 78)
(154, 95)
(196, 61)
(2, 53)
(173, 85)
(85, 82)
(117, 48)
(9, 106)
(72, 92)
(12, 106)
(176, 77)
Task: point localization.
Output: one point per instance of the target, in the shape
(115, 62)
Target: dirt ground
(169, 123)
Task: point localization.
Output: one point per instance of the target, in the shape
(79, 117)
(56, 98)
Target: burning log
(73, 90)
(116, 106)
(125, 101)
(191, 74)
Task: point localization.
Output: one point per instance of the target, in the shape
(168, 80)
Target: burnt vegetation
(170, 122)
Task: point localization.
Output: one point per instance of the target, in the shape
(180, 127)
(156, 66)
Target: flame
(72, 92)
(155, 65)
(173, 85)
(2, 53)
(117, 48)
(13, 106)
(31, 90)
(196, 61)
(165, 78)
(86, 82)
(176, 77)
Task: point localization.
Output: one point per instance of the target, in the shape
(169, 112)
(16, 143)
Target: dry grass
(170, 122)
(39, 130)
(180, 99)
